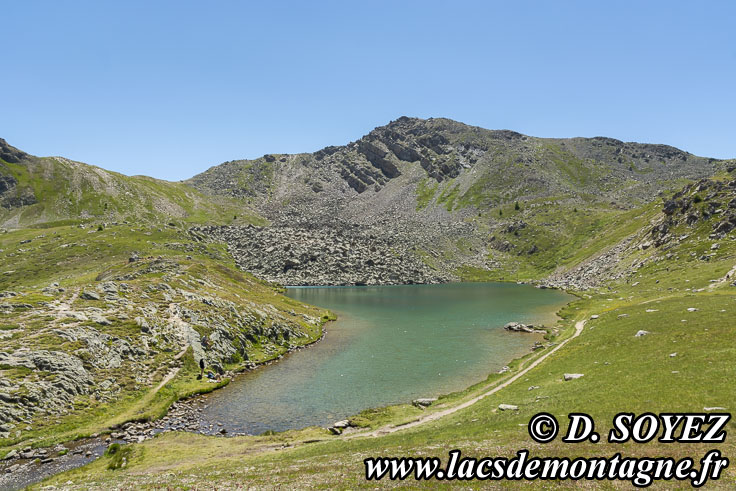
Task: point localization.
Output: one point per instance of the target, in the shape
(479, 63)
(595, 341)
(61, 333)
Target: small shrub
(112, 449)
(118, 456)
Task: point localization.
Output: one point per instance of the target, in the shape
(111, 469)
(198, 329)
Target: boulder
(518, 327)
(109, 287)
(424, 402)
(572, 376)
(99, 319)
(641, 333)
(508, 407)
(89, 295)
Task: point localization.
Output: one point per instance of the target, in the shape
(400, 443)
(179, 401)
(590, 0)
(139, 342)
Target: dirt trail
(172, 373)
(188, 341)
(439, 414)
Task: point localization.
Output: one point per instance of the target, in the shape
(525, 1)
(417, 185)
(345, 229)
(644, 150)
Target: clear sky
(169, 89)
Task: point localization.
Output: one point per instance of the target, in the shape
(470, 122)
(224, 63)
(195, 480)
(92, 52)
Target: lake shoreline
(188, 404)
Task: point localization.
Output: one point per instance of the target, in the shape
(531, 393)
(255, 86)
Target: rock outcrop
(105, 339)
(68, 379)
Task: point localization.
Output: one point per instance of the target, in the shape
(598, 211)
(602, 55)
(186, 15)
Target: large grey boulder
(519, 327)
(89, 295)
(424, 402)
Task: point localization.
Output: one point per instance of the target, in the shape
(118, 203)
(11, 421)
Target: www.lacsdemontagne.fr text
(640, 472)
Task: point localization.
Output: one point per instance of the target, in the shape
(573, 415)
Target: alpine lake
(389, 345)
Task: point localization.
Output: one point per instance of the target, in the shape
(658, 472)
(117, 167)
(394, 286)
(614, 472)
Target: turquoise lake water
(390, 344)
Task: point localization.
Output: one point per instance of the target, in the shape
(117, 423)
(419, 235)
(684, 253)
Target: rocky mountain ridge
(445, 149)
(451, 194)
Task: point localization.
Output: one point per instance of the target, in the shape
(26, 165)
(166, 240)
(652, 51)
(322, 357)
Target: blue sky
(169, 89)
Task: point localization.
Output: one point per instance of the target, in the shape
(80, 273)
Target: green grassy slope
(540, 238)
(70, 228)
(53, 189)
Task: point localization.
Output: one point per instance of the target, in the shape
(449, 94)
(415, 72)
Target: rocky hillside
(94, 322)
(697, 222)
(707, 199)
(467, 202)
(36, 190)
(692, 225)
